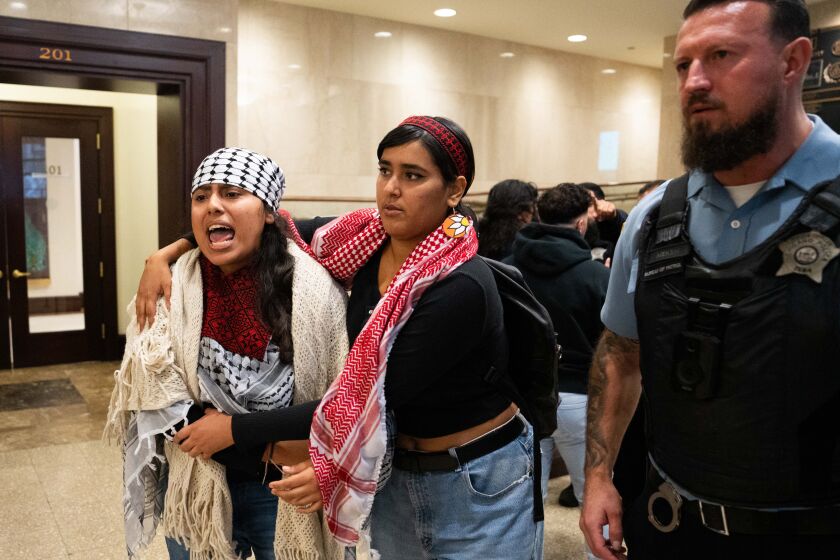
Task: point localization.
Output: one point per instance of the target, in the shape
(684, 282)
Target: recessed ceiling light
(507, 55)
(445, 12)
(382, 34)
(18, 6)
(608, 71)
(225, 29)
(577, 38)
(294, 66)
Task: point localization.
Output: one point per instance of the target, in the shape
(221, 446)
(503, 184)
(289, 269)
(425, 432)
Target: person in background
(255, 324)
(648, 188)
(606, 221)
(510, 205)
(555, 261)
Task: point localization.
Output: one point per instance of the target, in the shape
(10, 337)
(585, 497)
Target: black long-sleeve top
(435, 375)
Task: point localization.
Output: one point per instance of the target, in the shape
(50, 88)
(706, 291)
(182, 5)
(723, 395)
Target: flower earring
(456, 225)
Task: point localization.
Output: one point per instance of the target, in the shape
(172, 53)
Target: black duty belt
(453, 458)
(730, 520)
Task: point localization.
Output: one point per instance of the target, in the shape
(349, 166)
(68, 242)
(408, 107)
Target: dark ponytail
(273, 267)
(498, 228)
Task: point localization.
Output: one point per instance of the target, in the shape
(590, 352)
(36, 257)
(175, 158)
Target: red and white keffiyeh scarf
(348, 439)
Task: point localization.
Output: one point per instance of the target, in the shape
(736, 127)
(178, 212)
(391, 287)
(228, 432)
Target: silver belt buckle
(725, 530)
(671, 496)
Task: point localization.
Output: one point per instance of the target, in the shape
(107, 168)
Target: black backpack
(532, 362)
(531, 379)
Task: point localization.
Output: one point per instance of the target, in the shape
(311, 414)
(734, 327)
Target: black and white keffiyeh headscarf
(245, 169)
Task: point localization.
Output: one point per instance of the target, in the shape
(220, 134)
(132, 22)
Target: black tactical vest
(741, 367)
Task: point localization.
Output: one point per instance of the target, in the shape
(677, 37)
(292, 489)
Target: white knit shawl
(159, 368)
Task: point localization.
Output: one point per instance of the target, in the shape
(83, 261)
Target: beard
(731, 145)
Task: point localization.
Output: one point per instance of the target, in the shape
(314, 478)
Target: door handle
(18, 274)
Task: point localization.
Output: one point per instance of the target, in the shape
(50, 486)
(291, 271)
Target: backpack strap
(823, 211)
(667, 243)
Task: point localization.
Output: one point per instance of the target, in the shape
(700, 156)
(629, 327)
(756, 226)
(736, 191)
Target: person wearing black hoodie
(558, 267)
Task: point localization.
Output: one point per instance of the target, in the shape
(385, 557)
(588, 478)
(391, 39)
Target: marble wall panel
(670, 129)
(47, 10)
(535, 116)
(316, 90)
(100, 13)
(825, 14)
(201, 19)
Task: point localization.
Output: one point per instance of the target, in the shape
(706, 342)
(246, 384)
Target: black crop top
(435, 377)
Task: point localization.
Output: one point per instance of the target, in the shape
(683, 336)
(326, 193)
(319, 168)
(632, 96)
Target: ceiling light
(608, 71)
(507, 55)
(577, 38)
(666, 55)
(225, 29)
(445, 12)
(294, 66)
(382, 34)
(18, 6)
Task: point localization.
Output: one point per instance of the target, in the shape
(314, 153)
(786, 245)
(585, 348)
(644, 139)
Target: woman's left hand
(299, 487)
(206, 436)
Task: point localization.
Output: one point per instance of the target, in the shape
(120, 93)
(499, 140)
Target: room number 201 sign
(62, 55)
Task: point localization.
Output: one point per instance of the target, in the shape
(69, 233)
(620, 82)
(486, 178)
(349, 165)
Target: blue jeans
(570, 437)
(254, 518)
(546, 454)
(484, 510)
(570, 441)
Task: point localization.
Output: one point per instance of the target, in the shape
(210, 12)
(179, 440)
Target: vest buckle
(671, 497)
(716, 521)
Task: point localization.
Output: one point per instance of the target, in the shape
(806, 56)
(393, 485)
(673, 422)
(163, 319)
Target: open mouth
(220, 236)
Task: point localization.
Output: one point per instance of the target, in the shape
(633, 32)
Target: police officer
(724, 305)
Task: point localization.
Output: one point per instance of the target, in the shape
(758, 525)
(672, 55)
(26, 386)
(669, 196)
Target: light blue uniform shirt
(719, 231)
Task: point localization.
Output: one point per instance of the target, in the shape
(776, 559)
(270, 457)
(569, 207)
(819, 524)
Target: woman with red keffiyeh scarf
(453, 477)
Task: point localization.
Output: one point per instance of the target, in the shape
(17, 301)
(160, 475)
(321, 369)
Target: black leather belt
(729, 520)
(452, 459)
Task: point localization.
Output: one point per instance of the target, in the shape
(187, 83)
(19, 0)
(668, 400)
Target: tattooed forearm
(596, 444)
(613, 391)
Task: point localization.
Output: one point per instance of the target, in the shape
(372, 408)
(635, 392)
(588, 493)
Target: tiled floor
(60, 485)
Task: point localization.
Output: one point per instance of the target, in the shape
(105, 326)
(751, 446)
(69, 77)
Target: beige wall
(823, 14)
(135, 173)
(536, 116)
(670, 122)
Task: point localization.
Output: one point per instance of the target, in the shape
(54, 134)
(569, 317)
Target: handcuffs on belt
(668, 493)
(672, 498)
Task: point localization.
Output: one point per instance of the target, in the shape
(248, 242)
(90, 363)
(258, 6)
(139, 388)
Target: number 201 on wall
(55, 54)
